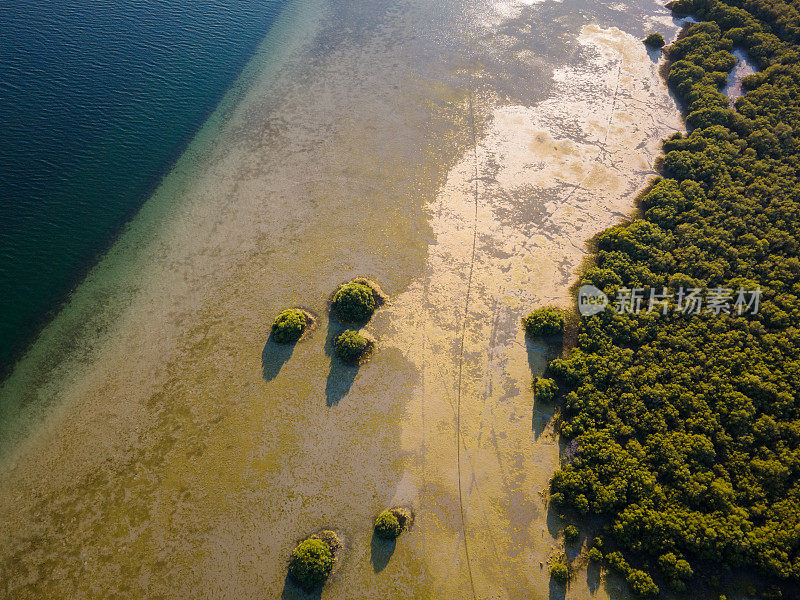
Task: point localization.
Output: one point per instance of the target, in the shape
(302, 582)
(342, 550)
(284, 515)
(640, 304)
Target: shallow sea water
(460, 154)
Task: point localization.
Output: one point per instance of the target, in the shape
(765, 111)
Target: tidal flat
(460, 154)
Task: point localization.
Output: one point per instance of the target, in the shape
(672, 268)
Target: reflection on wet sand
(179, 453)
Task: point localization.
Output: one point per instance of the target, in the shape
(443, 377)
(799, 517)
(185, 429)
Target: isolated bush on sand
(392, 522)
(544, 390)
(289, 326)
(313, 560)
(352, 346)
(356, 301)
(544, 321)
(654, 40)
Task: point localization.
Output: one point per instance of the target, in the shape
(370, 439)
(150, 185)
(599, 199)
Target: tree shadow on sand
(340, 376)
(381, 551)
(540, 352)
(558, 590)
(593, 577)
(274, 356)
(292, 591)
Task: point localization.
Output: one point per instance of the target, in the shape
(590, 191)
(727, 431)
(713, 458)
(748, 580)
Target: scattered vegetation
(687, 427)
(290, 325)
(654, 40)
(351, 347)
(313, 560)
(392, 522)
(544, 389)
(571, 533)
(559, 570)
(544, 321)
(356, 301)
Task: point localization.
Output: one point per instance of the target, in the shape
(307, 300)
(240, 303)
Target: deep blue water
(97, 100)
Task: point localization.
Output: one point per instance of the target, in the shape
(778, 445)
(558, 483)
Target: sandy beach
(161, 448)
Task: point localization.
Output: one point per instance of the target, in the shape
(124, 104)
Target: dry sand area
(178, 456)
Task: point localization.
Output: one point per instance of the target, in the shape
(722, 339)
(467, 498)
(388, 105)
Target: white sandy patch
(511, 9)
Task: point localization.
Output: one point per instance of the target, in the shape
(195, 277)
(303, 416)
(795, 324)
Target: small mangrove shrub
(312, 563)
(288, 326)
(387, 526)
(571, 533)
(559, 571)
(351, 346)
(392, 522)
(544, 390)
(642, 584)
(544, 321)
(654, 40)
(353, 303)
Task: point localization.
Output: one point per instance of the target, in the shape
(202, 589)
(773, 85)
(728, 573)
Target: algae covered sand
(458, 154)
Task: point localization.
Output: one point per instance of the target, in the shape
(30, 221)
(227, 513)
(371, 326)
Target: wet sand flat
(161, 447)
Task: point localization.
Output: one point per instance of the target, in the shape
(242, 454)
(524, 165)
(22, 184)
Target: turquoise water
(97, 100)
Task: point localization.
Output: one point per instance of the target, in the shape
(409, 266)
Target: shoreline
(81, 309)
(197, 450)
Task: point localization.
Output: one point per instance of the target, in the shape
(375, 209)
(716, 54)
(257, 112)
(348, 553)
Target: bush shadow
(341, 376)
(558, 590)
(593, 576)
(540, 352)
(654, 54)
(292, 591)
(274, 356)
(380, 552)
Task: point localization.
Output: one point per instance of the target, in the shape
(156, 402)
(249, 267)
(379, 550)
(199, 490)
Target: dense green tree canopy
(686, 427)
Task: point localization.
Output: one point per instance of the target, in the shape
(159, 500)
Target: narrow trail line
(464, 333)
(600, 158)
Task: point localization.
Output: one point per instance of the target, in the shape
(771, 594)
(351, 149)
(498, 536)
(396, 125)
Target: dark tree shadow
(593, 576)
(274, 356)
(557, 590)
(572, 549)
(340, 376)
(540, 353)
(292, 591)
(554, 523)
(381, 552)
(654, 54)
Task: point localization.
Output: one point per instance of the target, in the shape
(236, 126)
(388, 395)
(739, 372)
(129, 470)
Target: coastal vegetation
(313, 560)
(571, 533)
(654, 40)
(544, 389)
(356, 301)
(544, 321)
(392, 522)
(290, 325)
(559, 570)
(351, 346)
(686, 424)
